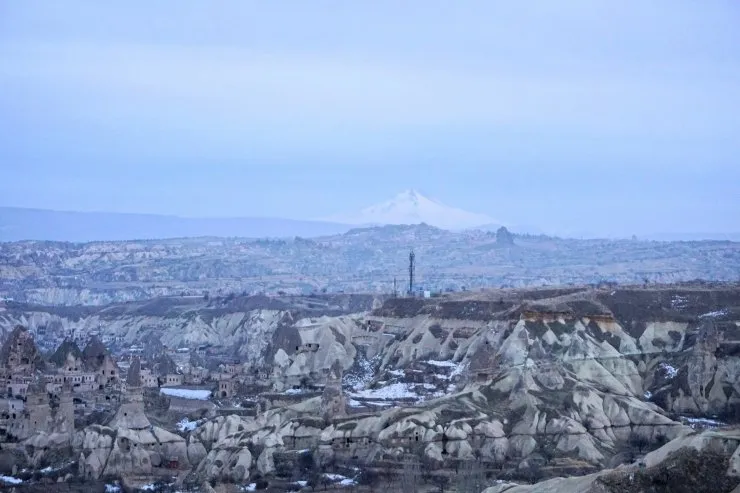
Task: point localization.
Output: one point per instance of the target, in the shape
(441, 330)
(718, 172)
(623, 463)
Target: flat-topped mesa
(131, 413)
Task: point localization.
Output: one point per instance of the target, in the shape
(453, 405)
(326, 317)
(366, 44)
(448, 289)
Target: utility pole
(412, 267)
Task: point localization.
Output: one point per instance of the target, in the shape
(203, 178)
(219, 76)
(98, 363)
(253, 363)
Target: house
(148, 380)
(172, 380)
(226, 388)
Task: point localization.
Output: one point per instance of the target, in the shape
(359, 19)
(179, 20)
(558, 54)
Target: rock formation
(697, 463)
(19, 354)
(129, 444)
(333, 404)
(568, 379)
(504, 237)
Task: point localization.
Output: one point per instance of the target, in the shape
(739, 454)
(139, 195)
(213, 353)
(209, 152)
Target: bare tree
(410, 474)
(638, 441)
(471, 477)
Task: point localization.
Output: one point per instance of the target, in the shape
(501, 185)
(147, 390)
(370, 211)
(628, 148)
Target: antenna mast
(412, 267)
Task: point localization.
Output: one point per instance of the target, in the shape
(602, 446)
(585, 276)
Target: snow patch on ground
(250, 487)
(361, 375)
(703, 423)
(112, 488)
(294, 391)
(670, 371)
(648, 394)
(186, 425)
(718, 313)
(10, 480)
(195, 394)
(443, 364)
(340, 480)
(394, 391)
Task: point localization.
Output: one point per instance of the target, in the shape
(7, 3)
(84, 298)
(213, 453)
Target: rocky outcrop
(579, 377)
(129, 445)
(696, 463)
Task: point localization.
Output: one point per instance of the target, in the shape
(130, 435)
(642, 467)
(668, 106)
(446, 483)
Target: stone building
(36, 417)
(172, 380)
(226, 388)
(149, 380)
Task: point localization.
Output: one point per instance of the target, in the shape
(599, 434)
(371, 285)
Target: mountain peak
(412, 207)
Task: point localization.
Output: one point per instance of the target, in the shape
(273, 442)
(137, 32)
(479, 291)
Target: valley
(513, 385)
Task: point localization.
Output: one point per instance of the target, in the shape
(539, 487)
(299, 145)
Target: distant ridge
(17, 224)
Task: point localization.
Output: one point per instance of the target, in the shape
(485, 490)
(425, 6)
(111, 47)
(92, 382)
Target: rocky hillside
(361, 260)
(528, 382)
(250, 328)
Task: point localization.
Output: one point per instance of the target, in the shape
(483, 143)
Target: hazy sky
(603, 116)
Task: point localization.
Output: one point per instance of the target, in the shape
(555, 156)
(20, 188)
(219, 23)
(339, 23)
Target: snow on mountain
(411, 207)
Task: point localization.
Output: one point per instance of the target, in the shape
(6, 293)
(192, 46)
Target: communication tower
(412, 268)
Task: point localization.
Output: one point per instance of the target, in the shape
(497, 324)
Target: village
(80, 381)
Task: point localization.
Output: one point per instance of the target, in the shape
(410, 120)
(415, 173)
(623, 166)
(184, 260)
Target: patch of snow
(340, 480)
(10, 480)
(648, 394)
(195, 394)
(186, 425)
(361, 375)
(718, 313)
(703, 423)
(148, 487)
(302, 484)
(459, 369)
(294, 391)
(250, 487)
(670, 371)
(396, 373)
(112, 488)
(354, 403)
(443, 364)
(392, 391)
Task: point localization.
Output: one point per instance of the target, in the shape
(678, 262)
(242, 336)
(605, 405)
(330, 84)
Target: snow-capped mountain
(411, 207)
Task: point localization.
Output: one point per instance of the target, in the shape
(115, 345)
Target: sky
(607, 117)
